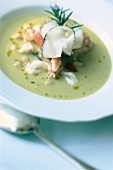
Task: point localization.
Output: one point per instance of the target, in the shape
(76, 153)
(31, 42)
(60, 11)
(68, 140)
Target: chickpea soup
(53, 60)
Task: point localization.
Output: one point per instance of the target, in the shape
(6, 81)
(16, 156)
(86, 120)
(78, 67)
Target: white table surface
(92, 142)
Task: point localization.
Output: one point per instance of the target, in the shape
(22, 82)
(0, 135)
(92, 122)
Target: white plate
(91, 142)
(97, 16)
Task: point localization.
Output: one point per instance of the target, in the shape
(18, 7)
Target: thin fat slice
(57, 42)
(47, 27)
(78, 42)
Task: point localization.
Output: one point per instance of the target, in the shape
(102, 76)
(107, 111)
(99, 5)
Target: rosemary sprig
(59, 15)
(35, 54)
(76, 26)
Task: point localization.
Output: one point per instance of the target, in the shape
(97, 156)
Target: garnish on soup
(57, 38)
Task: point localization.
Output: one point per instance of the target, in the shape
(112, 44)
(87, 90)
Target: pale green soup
(91, 77)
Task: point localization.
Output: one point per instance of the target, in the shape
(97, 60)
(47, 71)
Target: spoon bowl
(15, 121)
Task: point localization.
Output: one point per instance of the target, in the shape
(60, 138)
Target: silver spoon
(18, 122)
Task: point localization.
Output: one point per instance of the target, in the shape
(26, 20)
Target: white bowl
(89, 108)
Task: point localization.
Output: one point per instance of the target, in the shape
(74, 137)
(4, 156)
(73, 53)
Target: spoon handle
(79, 165)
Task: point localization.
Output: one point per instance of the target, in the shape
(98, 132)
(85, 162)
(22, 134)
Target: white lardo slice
(48, 26)
(78, 42)
(69, 41)
(57, 42)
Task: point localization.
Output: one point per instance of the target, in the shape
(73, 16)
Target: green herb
(23, 70)
(9, 53)
(46, 94)
(20, 61)
(15, 43)
(35, 74)
(26, 74)
(36, 55)
(32, 82)
(20, 32)
(59, 15)
(76, 87)
(11, 39)
(76, 26)
(31, 24)
(57, 77)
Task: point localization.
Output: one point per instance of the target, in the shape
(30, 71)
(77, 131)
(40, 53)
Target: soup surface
(91, 77)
